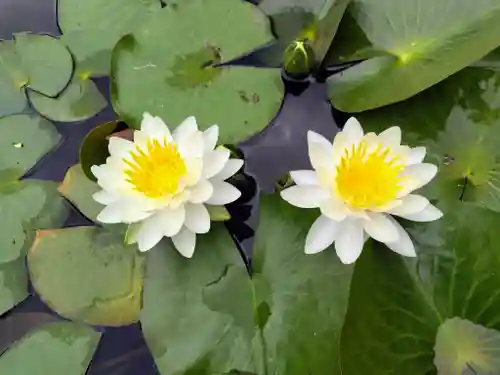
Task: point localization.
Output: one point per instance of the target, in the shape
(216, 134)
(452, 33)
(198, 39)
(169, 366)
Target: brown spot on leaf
(255, 98)
(243, 96)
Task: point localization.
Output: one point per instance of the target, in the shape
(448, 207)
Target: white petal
(404, 245)
(197, 218)
(185, 242)
(122, 212)
(429, 213)
(350, 241)
(172, 220)
(214, 162)
(416, 155)
(304, 177)
(186, 127)
(353, 131)
(417, 175)
(194, 171)
(304, 196)
(321, 235)
(335, 209)
(410, 204)
(388, 206)
(201, 192)
(105, 197)
(210, 137)
(191, 145)
(223, 193)
(154, 127)
(230, 169)
(119, 147)
(380, 227)
(320, 150)
(149, 234)
(391, 137)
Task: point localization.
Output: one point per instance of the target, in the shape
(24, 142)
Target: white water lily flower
(358, 183)
(162, 181)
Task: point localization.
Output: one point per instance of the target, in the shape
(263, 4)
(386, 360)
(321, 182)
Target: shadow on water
(281, 147)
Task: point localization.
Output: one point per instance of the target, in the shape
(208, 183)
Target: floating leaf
(218, 213)
(94, 148)
(12, 80)
(174, 79)
(92, 27)
(87, 274)
(25, 140)
(51, 74)
(78, 189)
(56, 348)
(27, 205)
(422, 48)
(13, 284)
(182, 330)
(465, 348)
(79, 101)
(307, 294)
(391, 329)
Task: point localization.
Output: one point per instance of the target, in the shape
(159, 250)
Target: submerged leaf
(465, 348)
(55, 348)
(175, 79)
(421, 47)
(102, 277)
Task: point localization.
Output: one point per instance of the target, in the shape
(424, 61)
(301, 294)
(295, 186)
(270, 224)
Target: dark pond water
(279, 148)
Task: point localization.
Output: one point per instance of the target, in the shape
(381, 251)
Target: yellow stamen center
(367, 180)
(157, 170)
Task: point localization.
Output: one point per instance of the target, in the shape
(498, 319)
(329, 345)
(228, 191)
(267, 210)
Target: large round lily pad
(174, 79)
(417, 43)
(87, 274)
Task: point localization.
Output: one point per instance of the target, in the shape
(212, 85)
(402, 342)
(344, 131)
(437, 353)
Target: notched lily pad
(465, 348)
(88, 274)
(177, 78)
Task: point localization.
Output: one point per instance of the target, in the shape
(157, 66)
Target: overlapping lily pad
(420, 46)
(21, 66)
(26, 206)
(79, 101)
(175, 78)
(56, 348)
(272, 323)
(87, 274)
(92, 27)
(13, 284)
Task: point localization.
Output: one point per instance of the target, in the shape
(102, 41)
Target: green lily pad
(422, 48)
(92, 27)
(12, 80)
(465, 348)
(25, 140)
(392, 329)
(286, 319)
(87, 274)
(55, 348)
(174, 79)
(78, 189)
(13, 284)
(26, 206)
(94, 148)
(79, 101)
(48, 75)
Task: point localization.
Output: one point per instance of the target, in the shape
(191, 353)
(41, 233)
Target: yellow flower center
(366, 180)
(156, 171)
